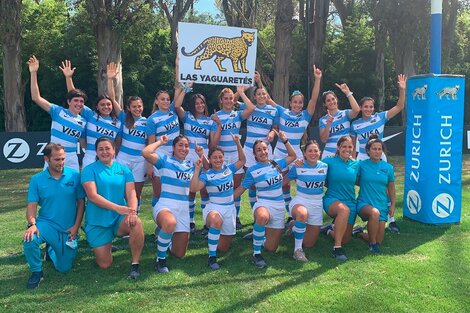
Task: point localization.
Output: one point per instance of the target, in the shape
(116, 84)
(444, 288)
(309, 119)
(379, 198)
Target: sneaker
(374, 248)
(238, 224)
(35, 279)
(114, 248)
(192, 227)
(289, 228)
(47, 257)
(160, 266)
(393, 227)
(357, 230)
(289, 219)
(134, 273)
(338, 253)
(324, 229)
(299, 255)
(204, 231)
(212, 263)
(248, 236)
(259, 261)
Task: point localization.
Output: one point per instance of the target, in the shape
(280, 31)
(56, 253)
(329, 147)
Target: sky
(205, 6)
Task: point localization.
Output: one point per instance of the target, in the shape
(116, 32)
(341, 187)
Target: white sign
(217, 55)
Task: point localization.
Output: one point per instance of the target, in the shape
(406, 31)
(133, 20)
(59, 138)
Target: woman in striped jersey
(306, 208)
(220, 212)
(336, 122)
(201, 130)
(231, 121)
(268, 211)
(294, 121)
(171, 212)
(103, 121)
(67, 124)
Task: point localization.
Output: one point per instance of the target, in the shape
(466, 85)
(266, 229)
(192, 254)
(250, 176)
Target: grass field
(423, 269)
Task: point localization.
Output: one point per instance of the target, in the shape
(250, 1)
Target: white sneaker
(299, 255)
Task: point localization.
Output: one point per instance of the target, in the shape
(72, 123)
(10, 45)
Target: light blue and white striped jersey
(362, 129)
(175, 177)
(66, 128)
(197, 130)
(309, 179)
(134, 140)
(231, 122)
(219, 184)
(164, 123)
(98, 126)
(340, 126)
(267, 180)
(259, 123)
(294, 126)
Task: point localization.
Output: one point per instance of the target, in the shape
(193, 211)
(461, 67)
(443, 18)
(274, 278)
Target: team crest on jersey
(69, 184)
(233, 114)
(340, 115)
(226, 172)
(120, 173)
(373, 121)
(321, 172)
(80, 123)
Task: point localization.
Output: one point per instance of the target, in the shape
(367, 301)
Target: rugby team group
(184, 150)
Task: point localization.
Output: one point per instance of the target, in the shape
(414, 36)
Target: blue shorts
(383, 212)
(98, 236)
(350, 204)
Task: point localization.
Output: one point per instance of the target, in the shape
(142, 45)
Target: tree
(283, 30)
(179, 10)
(13, 86)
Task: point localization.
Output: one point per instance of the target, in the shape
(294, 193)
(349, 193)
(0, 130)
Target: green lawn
(423, 269)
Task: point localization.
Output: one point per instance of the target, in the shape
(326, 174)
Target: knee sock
(213, 240)
(258, 237)
(163, 242)
(192, 206)
(299, 232)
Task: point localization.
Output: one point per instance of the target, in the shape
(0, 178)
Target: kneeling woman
(307, 207)
(171, 212)
(268, 211)
(111, 208)
(220, 212)
(377, 181)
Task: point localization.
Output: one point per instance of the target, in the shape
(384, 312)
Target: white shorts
(276, 212)
(230, 158)
(180, 212)
(138, 168)
(314, 209)
(227, 213)
(250, 157)
(71, 160)
(88, 159)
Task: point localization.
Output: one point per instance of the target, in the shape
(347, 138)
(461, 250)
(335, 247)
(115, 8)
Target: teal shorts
(350, 204)
(98, 236)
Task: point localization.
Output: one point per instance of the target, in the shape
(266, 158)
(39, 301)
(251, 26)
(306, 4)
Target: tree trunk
(450, 10)
(283, 45)
(180, 9)
(13, 86)
(380, 42)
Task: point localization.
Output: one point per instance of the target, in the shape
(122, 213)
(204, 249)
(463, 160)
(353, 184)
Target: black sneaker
(192, 227)
(238, 224)
(204, 231)
(160, 266)
(248, 236)
(338, 253)
(393, 227)
(134, 273)
(212, 263)
(324, 229)
(259, 261)
(114, 248)
(357, 230)
(374, 248)
(288, 221)
(35, 279)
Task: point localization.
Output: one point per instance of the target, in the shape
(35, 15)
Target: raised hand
(344, 88)
(317, 73)
(402, 81)
(163, 139)
(112, 70)
(199, 151)
(67, 68)
(33, 64)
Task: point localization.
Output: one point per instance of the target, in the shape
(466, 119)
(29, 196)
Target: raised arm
(312, 103)
(149, 151)
(241, 153)
(179, 97)
(33, 65)
(325, 132)
(111, 73)
(249, 105)
(355, 108)
(291, 155)
(214, 136)
(195, 185)
(68, 71)
(401, 97)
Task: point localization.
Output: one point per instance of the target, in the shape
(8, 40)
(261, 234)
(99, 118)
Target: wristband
(30, 225)
(286, 141)
(186, 88)
(349, 94)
